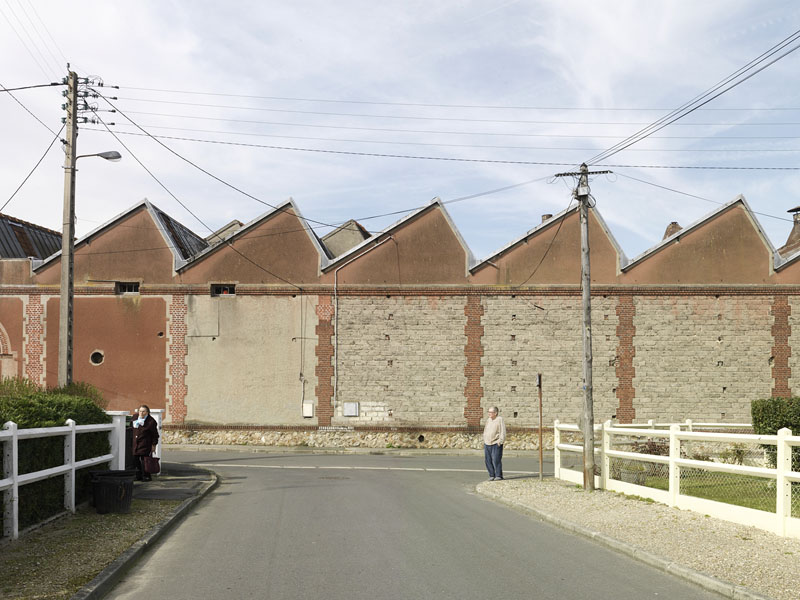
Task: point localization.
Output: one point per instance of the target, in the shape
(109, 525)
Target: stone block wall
(402, 359)
(526, 335)
(701, 357)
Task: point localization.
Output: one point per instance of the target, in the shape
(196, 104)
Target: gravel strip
(752, 558)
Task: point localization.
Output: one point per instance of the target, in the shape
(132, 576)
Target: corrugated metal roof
(20, 239)
(187, 243)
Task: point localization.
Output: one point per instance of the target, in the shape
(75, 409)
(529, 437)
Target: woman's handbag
(151, 465)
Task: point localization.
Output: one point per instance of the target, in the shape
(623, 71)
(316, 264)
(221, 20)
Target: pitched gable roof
(180, 240)
(20, 239)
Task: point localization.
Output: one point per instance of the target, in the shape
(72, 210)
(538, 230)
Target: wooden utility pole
(587, 422)
(68, 235)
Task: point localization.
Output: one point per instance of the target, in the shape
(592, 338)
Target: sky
(360, 109)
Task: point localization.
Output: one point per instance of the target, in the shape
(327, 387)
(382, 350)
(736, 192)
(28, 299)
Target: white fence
(12, 480)
(726, 475)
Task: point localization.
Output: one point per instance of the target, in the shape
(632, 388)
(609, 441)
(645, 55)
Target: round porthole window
(97, 357)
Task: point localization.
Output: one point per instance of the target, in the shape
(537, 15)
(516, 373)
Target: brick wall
(781, 350)
(324, 353)
(701, 356)
(402, 359)
(33, 338)
(176, 360)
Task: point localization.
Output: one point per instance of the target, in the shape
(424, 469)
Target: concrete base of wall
(528, 440)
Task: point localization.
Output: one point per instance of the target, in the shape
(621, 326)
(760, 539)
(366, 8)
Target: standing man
(494, 436)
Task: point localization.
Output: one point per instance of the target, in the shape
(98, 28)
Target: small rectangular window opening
(126, 287)
(223, 289)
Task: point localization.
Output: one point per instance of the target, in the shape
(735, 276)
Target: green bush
(30, 407)
(770, 415)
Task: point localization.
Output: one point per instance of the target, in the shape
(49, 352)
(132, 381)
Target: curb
(707, 582)
(107, 578)
(346, 450)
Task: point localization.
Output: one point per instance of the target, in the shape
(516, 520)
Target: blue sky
(523, 82)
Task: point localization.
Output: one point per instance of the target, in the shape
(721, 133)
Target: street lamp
(67, 261)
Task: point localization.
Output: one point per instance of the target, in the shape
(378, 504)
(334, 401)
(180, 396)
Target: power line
(196, 166)
(663, 187)
(398, 117)
(451, 145)
(423, 104)
(22, 41)
(436, 158)
(704, 98)
(5, 89)
(33, 169)
(186, 208)
(444, 132)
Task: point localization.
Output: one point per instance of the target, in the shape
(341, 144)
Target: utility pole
(587, 422)
(68, 234)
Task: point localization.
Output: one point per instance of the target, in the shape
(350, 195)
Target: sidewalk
(735, 561)
(175, 482)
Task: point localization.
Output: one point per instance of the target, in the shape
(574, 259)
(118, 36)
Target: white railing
(12, 480)
(676, 463)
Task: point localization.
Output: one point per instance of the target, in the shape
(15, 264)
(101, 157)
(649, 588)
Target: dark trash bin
(112, 491)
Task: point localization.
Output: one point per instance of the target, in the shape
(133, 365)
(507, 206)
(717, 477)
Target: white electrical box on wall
(350, 409)
(308, 410)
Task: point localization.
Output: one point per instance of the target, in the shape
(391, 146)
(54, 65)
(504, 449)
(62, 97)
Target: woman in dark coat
(145, 438)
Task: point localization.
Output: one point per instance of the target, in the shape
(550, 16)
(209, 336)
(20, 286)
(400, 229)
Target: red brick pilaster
(473, 352)
(324, 369)
(176, 365)
(781, 350)
(34, 344)
(626, 350)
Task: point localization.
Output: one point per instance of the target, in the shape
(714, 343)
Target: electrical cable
(695, 103)
(33, 169)
(550, 245)
(444, 132)
(422, 104)
(186, 208)
(22, 41)
(669, 189)
(5, 89)
(432, 158)
(196, 166)
(445, 145)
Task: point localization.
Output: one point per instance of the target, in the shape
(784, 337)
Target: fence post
(69, 459)
(556, 451)
(116, 438)
(158, 415)
(674, 470)
(11, 495)
(783, 487)
(605, 464)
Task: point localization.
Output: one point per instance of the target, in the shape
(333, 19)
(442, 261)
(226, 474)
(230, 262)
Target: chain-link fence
(640, 471)
(725, 464)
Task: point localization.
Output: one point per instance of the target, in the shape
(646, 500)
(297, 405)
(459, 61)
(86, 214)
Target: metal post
(68, 235)
(69, 459)
(541, 437)
(587, 423)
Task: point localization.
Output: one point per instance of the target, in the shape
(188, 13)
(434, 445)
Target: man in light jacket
(494, 436)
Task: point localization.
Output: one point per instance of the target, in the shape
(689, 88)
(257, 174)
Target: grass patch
(56, 560)
(730, 488)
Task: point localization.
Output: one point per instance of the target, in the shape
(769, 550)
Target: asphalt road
(351, 527)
